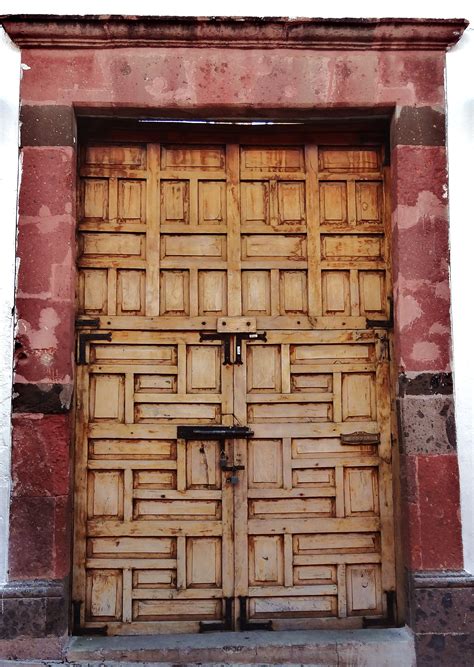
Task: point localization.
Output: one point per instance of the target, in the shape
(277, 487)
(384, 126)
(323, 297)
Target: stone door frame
(230, 68)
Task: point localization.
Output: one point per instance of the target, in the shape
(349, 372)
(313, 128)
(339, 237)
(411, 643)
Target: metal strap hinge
(84, 338)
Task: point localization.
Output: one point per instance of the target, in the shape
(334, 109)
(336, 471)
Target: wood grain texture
(177, 238)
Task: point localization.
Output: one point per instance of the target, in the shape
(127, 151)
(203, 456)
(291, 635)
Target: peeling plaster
(461, 142)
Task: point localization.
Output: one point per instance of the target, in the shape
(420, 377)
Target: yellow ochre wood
(175, 239)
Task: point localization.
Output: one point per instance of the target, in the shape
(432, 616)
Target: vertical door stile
(382, 381)
(152, 298)
(241, 533)
(233, 231)
(80, 488)
(313, 235)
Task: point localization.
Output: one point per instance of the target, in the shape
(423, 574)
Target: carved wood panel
(171, 238)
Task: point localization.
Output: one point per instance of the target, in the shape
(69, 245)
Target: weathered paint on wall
(212, 82)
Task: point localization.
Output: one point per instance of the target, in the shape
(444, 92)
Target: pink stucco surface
(230, 81)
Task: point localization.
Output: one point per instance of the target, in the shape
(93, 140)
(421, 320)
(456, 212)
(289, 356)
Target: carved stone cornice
(107, 31)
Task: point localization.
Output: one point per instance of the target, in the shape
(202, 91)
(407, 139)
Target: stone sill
(390, 647)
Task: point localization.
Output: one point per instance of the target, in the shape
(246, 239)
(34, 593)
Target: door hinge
(93, 323)
(390, 620)
(77, 628)
(245, 624)
(227, 624)
(382, 324)
(83, 339)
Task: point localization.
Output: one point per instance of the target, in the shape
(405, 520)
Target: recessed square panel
(266, 560)
(93, 291)
(265, 464)
(291, 203)
(263, 368)
(293, 292)
(336, 292)
(369, 202)
(212, 292)
(131, 200)
(255, 202)
(130, 292)
(373, 298)
(361, 497)
(103, 595)
(212, 202)
(203, 369)
(95, 197)
(256, 293)
(107, 397)
(364, 589)
(202, 464)
(333, 202)
(203, 562)
(174, 293)
(105, 494)
(174, 202)
(358, 397)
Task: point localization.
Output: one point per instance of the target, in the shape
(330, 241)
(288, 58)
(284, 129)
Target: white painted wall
(460, 80)
(9, 106)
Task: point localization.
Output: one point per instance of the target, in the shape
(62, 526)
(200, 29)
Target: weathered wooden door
(233, 285)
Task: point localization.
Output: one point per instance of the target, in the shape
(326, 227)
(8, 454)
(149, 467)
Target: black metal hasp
(246, 336)
(382, 324)
(227, 339)
(84, 338)
(213, 432)
(224, 337)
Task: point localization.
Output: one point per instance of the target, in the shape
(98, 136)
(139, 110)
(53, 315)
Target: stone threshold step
(392, 647)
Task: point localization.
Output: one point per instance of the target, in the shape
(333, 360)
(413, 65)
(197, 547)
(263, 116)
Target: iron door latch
(213, 432)
(232, 340)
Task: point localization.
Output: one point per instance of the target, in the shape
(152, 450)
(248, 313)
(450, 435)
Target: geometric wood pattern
(285, 234)
(171, 237)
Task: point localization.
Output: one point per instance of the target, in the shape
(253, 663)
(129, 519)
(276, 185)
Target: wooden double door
(233, 449)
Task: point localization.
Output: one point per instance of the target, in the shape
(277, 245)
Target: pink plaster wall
(234, 81)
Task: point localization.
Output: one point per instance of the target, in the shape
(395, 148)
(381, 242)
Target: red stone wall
(407, 86)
